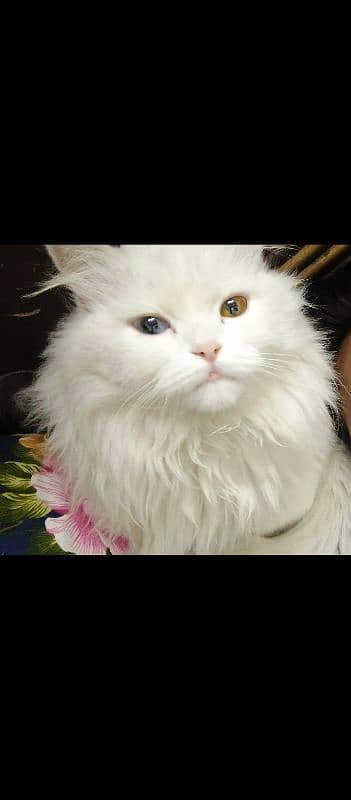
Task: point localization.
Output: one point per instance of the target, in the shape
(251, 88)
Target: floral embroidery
(33, 489)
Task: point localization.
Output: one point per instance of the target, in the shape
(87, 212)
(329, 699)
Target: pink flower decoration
(73, 531)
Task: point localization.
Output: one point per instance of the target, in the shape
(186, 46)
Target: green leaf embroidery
(17, 507)
(15, 475)
(43, 544)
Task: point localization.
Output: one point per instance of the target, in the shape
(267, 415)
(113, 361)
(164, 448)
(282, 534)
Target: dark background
(25, 323)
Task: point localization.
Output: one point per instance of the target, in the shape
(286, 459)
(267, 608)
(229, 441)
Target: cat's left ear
(71, 256)
(275, 255)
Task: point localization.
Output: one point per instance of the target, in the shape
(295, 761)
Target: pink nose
(209, 352)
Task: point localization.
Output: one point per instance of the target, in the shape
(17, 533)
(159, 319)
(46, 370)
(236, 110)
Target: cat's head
(183, 326)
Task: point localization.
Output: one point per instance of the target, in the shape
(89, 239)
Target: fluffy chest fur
(205, 494)
(181, 488)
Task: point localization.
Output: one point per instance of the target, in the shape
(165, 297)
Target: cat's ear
(70, 256)
(274, 255)
(81, 268)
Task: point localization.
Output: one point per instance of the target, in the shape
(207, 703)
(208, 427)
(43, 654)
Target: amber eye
(234, 306)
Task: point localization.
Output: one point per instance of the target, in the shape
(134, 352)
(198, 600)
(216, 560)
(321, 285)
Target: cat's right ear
(60, 254)
(71, 256)
(81, 268)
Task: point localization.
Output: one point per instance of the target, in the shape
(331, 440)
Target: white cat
(186, 399)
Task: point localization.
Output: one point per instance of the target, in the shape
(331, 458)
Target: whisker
(340, 382)
(274, 374)
(278, 355)
(277, 359)
(136, 394)
(275, 365)
(147, 395)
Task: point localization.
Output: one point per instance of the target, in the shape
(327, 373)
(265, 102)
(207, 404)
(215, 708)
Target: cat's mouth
(217, 391)
(215, 374)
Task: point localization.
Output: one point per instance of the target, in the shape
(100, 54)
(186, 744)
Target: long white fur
(178, 465)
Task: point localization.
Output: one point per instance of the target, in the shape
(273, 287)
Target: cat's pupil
(232, 306)
(150, 325)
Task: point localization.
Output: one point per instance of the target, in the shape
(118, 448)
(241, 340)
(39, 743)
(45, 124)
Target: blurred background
(25, 324)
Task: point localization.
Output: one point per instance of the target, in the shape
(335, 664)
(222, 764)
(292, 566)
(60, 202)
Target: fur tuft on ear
(276, 254)
(80, 268)
(69, 256)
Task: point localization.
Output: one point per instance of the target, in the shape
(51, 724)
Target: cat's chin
(215, 396)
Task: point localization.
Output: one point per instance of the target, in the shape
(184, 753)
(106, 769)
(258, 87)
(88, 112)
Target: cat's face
(189, 327)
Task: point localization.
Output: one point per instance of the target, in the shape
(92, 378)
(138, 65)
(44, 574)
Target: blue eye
(152, 325)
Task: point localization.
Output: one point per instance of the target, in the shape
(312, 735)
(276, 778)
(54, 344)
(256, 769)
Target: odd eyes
(232, 307)
(152, 325)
